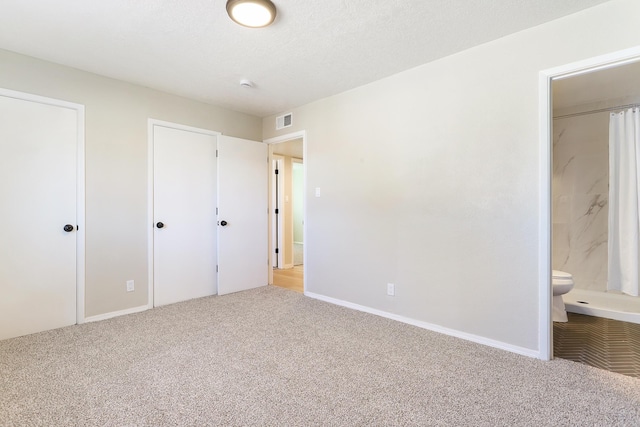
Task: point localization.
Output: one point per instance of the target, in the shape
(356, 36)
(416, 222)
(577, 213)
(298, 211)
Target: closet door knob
(160, 225)
(68, 228)
(223, 223)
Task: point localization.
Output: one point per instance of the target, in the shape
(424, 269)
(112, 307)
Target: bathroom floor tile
(603, 343)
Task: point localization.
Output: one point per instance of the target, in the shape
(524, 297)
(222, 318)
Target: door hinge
(277, 171)
(216, 211)
(277, 250)
(216, 268)
(277, 211)
(216, 153)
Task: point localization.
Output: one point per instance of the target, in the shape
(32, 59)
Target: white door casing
(242, 204)
(42, 190)
(184, 217)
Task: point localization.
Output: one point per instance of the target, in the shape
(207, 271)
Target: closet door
(196, 251)
(38, 193)
(242, 214)
(184, 228)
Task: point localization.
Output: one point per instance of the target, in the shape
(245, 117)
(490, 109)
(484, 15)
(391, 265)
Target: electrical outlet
(391, 289)
(131, 286)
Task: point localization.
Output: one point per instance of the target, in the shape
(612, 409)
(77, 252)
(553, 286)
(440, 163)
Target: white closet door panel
(184, 202)
(38, 150)
(242, 204)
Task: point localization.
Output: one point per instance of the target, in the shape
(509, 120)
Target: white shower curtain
(624, 197)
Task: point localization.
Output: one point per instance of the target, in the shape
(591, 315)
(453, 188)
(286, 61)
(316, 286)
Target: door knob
(223, 223)
(160, 225)
(68, 228)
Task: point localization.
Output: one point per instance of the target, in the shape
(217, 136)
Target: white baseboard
(425, 325)
(112, 314)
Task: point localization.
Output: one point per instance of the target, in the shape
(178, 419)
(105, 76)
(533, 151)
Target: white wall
(436, 187)
(116, 165)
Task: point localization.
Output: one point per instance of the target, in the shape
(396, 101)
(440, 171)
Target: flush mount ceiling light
(252, 13)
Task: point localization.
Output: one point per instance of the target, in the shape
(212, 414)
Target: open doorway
(602, 321)
(581, 100)
(287, 213)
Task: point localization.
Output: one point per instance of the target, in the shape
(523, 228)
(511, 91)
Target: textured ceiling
(315, 48)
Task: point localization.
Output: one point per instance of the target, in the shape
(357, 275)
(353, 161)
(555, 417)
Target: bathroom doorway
(583, 97)
(287, 212)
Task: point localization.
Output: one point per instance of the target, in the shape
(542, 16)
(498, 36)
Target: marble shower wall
(580, 196)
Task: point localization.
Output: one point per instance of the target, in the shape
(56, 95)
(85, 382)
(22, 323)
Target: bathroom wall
(580, 196)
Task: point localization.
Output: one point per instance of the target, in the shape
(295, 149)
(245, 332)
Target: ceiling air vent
(283, 121)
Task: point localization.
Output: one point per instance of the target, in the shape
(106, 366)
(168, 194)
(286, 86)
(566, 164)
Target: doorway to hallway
(287, 210)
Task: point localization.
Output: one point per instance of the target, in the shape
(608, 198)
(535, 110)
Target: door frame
(275, 140)
(80, 187)
(150, 202)
(545, 105)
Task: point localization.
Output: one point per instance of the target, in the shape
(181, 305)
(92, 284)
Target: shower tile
(560, 259)
(562, 210)
(586, 134)
(580, 199)
(593, 173)
(564, 173)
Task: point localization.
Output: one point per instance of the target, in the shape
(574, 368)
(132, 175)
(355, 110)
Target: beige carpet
(274, 357)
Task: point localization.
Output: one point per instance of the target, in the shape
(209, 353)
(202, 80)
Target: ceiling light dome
(252, 13)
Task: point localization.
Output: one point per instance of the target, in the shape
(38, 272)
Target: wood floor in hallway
(290, 278)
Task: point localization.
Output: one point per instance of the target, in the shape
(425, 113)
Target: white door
(184, 182)
(39, 163)
(242, 214)
(277, 228)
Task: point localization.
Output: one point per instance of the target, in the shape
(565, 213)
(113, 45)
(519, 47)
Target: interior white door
(277, 227)
(38, 160)
(184, 183)
(242, 214)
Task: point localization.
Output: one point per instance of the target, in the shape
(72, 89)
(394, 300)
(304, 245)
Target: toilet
(562, 282)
